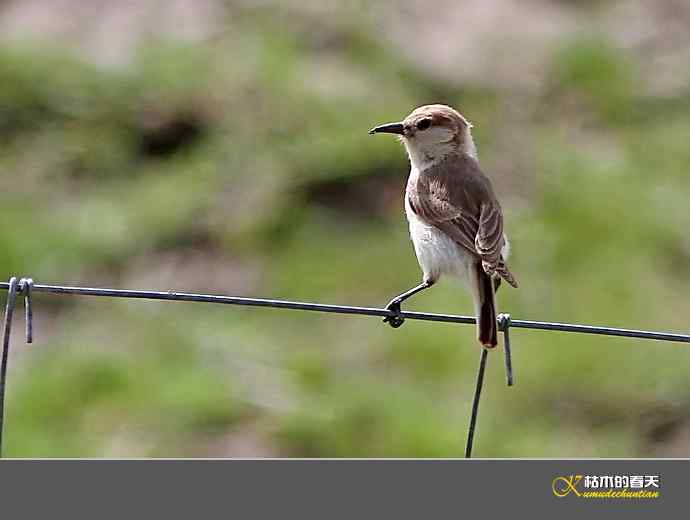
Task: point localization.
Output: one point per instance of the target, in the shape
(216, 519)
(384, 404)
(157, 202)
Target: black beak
(388, 128)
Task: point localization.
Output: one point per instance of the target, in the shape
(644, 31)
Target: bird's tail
(485, 306)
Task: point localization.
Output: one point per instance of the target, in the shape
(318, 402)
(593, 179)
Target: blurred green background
(216, 146)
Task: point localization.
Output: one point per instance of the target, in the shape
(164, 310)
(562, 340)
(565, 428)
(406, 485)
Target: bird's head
(430, 133)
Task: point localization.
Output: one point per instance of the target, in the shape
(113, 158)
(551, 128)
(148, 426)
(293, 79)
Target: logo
(607, 486)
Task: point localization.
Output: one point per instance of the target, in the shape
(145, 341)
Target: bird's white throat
(425, 153)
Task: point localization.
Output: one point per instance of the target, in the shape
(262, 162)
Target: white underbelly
(437, 254)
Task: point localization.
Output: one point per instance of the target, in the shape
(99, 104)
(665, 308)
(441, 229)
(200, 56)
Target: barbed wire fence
(25, 287)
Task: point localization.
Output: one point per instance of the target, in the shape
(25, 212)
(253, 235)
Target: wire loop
(504, 326)
(26, 288)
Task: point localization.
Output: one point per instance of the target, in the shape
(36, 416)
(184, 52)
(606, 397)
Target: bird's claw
(397, 319)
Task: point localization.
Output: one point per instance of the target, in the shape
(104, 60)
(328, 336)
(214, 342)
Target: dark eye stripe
(424, 124)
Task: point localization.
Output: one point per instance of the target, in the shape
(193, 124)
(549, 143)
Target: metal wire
(475, 402)
(6, 330)
(26, 287)
(347, 309)
(504, 321)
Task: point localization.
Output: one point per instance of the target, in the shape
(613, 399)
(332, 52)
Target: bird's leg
(394, 305)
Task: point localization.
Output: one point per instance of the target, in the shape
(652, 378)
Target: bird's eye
(424, 124)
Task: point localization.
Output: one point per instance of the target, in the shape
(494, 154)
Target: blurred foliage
(253, 150)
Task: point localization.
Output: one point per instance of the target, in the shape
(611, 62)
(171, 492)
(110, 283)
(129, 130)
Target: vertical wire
(26, 286)
(475, 402)
(504, 323)
(6, 330)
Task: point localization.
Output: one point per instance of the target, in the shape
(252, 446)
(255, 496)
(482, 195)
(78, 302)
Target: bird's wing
(457, 198)
(489, 239)
(430, 198)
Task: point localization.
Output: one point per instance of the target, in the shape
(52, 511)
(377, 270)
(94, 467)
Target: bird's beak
(388, 128)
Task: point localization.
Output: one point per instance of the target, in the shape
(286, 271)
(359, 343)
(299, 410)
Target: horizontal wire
(347, 309)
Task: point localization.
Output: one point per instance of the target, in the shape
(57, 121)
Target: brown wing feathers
(458, 199)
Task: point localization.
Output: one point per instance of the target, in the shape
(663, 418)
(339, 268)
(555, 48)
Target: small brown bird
(456, 222)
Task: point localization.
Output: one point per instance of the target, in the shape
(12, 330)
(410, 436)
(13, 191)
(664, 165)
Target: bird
(455, 219)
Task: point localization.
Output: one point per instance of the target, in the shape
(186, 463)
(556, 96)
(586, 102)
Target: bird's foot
(397, 319)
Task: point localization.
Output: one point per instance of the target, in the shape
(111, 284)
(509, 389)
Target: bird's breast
(436, 252)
